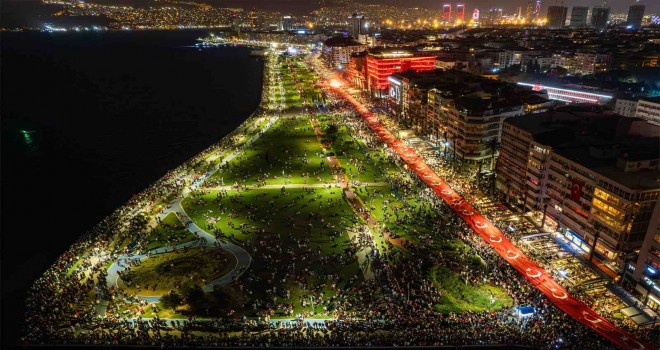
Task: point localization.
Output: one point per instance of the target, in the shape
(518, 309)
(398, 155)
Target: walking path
(261, 187)
(356, 205)
(493, 236)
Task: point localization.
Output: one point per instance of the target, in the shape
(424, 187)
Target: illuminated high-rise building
(446, 12)
(356, 25)
(600, 15)
(494, 16)
(537, 10)
(557, 17)
(529, 11)
(286, 23)
(460, 12)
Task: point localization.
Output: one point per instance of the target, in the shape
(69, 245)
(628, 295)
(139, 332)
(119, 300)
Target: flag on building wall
(576, 189)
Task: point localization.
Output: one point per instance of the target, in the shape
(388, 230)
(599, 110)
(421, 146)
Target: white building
(337, 51)
(649, 110)
(626, 108)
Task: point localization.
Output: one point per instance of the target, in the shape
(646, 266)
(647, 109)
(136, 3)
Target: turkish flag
(576, 189)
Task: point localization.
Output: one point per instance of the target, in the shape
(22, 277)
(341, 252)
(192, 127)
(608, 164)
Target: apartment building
(598, 174)
(469, 112)
(337, 51)
(644, 273)
(590, 63)
(624, 107)
(647, 108)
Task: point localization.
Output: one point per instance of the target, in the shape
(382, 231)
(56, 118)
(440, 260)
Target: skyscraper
(579, 16)
(460, 12)
(446, 12)
(635, 15)
(355, 25)
(537, 10)
(600, 15)
(557, 17)
(286, 23)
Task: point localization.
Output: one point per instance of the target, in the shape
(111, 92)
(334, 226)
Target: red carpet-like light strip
(514, 256)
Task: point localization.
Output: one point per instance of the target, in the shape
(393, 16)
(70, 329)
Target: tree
(597, 228)
(331, 131)
(196, 300)
(545, 201)
(493, 145)
(171, 300)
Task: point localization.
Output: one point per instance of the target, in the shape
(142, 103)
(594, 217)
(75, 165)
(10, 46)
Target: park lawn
(163, 313)
(386, 206)
(347, 148)
(178, 269)
(169, 232)
(297, 152)
(270, 209)
(269, 217)
(459, 297)
(313, 310)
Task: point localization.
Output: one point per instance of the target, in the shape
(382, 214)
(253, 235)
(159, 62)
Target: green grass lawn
(169, 232)
(270, 218)
(298, 154)
(179, 269)
(459, 297)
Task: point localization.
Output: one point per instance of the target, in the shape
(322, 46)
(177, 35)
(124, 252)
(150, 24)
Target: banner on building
(576, 189)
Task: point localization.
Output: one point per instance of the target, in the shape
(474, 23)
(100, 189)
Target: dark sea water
(90, 119)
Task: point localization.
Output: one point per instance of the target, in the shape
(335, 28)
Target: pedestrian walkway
(261, 187)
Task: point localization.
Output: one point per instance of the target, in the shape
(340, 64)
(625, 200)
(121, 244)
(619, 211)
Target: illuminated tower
(529, 11)
(537, 10)
(475, 16)
(460, 12)
(446, 12)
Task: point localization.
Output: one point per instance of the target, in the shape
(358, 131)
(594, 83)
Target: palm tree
(545, 201)
(507, 183)
(597, 227)
(493, 144)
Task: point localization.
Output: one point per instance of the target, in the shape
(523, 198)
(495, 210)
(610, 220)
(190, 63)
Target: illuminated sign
(475, 15)
(568, 95)
(394, 81)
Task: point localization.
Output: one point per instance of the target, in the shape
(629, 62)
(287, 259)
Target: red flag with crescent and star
(576, 189)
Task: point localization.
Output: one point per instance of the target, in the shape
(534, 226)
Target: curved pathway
(539, 278)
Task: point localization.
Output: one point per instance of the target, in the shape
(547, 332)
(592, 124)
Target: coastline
(132, 210)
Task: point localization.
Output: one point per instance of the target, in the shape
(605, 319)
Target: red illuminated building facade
(460, 13)
(382, 63)
(446, 12)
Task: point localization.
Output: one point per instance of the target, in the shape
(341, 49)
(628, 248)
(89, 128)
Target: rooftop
(598, 141)
(339, 41)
